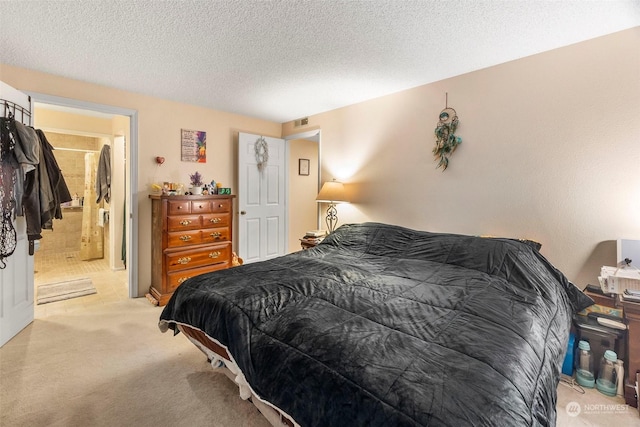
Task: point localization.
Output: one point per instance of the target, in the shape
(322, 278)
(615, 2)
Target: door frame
(132, 159)
(310, 135)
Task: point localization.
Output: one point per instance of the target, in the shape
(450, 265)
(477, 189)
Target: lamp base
(331, 218)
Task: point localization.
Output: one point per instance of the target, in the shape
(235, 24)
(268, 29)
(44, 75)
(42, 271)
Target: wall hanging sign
(261, 148)
(194, 146)
(446, 140)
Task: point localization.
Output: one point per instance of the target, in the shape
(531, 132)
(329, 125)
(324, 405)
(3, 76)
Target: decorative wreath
(262, 153)
(446, 141)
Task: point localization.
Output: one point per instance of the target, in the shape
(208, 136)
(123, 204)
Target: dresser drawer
(177, 239)
(178, 207)
(176, 279)
(183, 222)
(213, 235)
(199, 207)
(198, 257)
(216, 220)
(221, 205)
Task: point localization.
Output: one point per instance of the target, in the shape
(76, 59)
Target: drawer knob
(199, 206)
(185, 238)
(185, 222)
(179, 207)
(220, 205)
(216, 235)
(184, 260)
(215, 220)
(215, 254)
(182, 279)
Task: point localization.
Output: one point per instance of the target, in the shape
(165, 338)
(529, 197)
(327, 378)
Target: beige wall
(62, 122)
(159, 124)
(550, 151)
(303, 189)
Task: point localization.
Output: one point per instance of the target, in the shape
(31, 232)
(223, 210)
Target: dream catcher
(446, 141)
(261, 148)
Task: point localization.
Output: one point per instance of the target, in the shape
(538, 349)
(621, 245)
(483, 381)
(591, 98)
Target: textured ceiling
(283, 59)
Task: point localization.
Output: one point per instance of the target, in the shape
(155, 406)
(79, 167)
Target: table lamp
(332, 192)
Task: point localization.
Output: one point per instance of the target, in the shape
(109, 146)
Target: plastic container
(567, 365)
(600, 338)
(606, 383)
(584, 365)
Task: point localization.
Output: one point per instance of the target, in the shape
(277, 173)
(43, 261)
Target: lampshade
(332, 192)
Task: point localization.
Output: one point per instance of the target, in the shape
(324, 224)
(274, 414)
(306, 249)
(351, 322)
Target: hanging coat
(53, 188)
(29, 155)
(27, 150)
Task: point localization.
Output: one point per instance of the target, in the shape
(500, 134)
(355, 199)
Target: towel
(103, 175)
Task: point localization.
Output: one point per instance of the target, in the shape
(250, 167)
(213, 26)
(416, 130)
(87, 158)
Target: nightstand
(632, 315)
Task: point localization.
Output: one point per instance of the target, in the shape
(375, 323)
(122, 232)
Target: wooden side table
(632, 315)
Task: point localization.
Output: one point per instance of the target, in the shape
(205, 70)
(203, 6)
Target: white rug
(59, 291)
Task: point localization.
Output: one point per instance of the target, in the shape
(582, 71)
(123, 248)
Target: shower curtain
(92, 243)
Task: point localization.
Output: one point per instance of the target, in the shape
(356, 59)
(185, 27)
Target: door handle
(243, 212)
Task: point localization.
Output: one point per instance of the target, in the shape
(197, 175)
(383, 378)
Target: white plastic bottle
(620, 377)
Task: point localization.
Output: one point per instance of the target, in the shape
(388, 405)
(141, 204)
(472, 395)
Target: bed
(381, 325)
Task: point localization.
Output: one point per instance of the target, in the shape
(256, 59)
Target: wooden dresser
(191, 235)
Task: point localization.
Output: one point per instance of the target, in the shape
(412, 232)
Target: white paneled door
(261, 198)
(16, 279)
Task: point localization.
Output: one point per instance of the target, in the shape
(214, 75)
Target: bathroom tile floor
(111, 285)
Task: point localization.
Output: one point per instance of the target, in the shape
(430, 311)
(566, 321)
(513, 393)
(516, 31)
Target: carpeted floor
(108, 364)
(112, 366)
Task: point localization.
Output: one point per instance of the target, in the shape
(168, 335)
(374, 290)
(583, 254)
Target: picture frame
(193, 146)
(303, 167)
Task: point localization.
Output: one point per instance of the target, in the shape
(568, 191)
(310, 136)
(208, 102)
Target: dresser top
(191, 197)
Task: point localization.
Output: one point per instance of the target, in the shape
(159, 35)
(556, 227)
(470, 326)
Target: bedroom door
(261, 198)
(16, 279)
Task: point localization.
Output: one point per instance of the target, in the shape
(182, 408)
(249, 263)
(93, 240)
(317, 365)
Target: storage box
(615, 280)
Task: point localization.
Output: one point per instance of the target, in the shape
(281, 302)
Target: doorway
(78, 250)
(303, 185)
(112, 271)
(289, 184)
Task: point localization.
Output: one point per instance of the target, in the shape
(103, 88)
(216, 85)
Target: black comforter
(381, 325)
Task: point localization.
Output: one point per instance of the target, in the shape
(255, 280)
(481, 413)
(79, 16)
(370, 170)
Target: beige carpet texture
(112, 366)
(108, 364)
